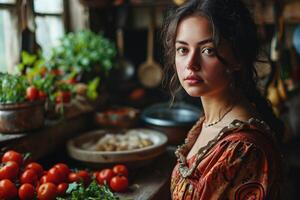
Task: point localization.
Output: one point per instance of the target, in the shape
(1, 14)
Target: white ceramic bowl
(139, 156)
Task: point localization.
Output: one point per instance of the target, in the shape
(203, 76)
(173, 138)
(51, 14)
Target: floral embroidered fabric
(242, 162)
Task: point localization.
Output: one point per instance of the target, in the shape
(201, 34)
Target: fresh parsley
(77, 191)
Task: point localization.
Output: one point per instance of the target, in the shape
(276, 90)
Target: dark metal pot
(174, 121)
(21, 117)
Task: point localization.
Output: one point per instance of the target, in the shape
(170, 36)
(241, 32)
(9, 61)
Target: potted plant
(20, 109)
(84, 55)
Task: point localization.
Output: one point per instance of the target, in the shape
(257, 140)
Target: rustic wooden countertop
(152, 181)
(47, 146)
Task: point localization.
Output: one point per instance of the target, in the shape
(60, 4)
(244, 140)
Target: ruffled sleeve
(238, 168)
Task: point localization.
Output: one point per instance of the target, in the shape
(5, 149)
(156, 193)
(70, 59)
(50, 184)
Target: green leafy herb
(76, 191)
(92, 88)
(12, 88)
(82, 51)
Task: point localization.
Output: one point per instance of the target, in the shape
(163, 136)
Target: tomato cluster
(116, 177)
(32, 94)
(29, 180)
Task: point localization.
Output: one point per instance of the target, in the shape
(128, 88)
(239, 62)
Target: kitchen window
(50, 20)
(9, 40)
(45, 19)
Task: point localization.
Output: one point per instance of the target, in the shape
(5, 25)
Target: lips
(193, 79)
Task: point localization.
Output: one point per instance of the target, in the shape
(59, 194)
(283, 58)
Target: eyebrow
(199, 43)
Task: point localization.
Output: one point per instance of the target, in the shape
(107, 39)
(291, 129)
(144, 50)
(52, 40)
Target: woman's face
(199, 70)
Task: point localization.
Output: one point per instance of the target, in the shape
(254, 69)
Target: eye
(181, 50)
(208, 51)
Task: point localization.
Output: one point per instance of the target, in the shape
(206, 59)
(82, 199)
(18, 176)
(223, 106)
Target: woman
(211, 47)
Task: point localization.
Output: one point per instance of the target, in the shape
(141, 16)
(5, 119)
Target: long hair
(230, 20)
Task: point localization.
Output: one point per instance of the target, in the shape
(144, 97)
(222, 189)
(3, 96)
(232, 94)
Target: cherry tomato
(26, 192)
(119, 183)
(47, 191)
(64, 170)
(42, 95)
(43, 71)
(29, 176)
(44, 179)
(56, 72)
(8, 189)
(9, 170)
(13, 156)
(121, 170)
(36, 167)
(105, 175)
(73, 177)
(62, 188)
(55, 175)
(66, 96)
(71, 80)
(32, 93)
(84, 176)
(63, 97)
(95, 174)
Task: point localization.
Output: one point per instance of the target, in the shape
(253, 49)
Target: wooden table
(153, 181)
(47, 146)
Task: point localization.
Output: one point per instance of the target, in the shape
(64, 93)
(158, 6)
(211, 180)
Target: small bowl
(119, 117)
(136, 157)
(173, 121)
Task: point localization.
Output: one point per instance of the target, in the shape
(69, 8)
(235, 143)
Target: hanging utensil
(125, 68)
(150, 73)
(28, 36)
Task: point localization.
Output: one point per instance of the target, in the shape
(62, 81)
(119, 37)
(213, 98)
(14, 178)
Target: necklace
(220, 119)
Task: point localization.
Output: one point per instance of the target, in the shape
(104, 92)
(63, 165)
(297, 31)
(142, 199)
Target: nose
(193, 61)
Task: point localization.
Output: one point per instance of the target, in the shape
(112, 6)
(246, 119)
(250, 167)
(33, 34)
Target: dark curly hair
(230, 20)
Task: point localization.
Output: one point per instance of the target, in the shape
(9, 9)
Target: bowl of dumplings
(134, 147)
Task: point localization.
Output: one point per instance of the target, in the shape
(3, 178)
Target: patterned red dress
(241, 163)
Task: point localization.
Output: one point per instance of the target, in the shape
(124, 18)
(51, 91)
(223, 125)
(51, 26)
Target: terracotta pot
(21, 117)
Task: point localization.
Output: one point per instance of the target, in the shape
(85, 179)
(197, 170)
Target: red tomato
(63, 97)
(13, 156)
(55, 175)
(64, 170)
(119, 183)
(73, 177)
(84, 176)
(47, 191)
(66, 96)
(95, 174)
(43, 71)
(121, 170)
(32, 93)
(42, 95)
(26, 192)
(36, 167)
(62, 188)
(105, 175)
(45, 179)
(9, 170)
(8, 189)
(56, 72)
(71, 80)
(29, 176)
